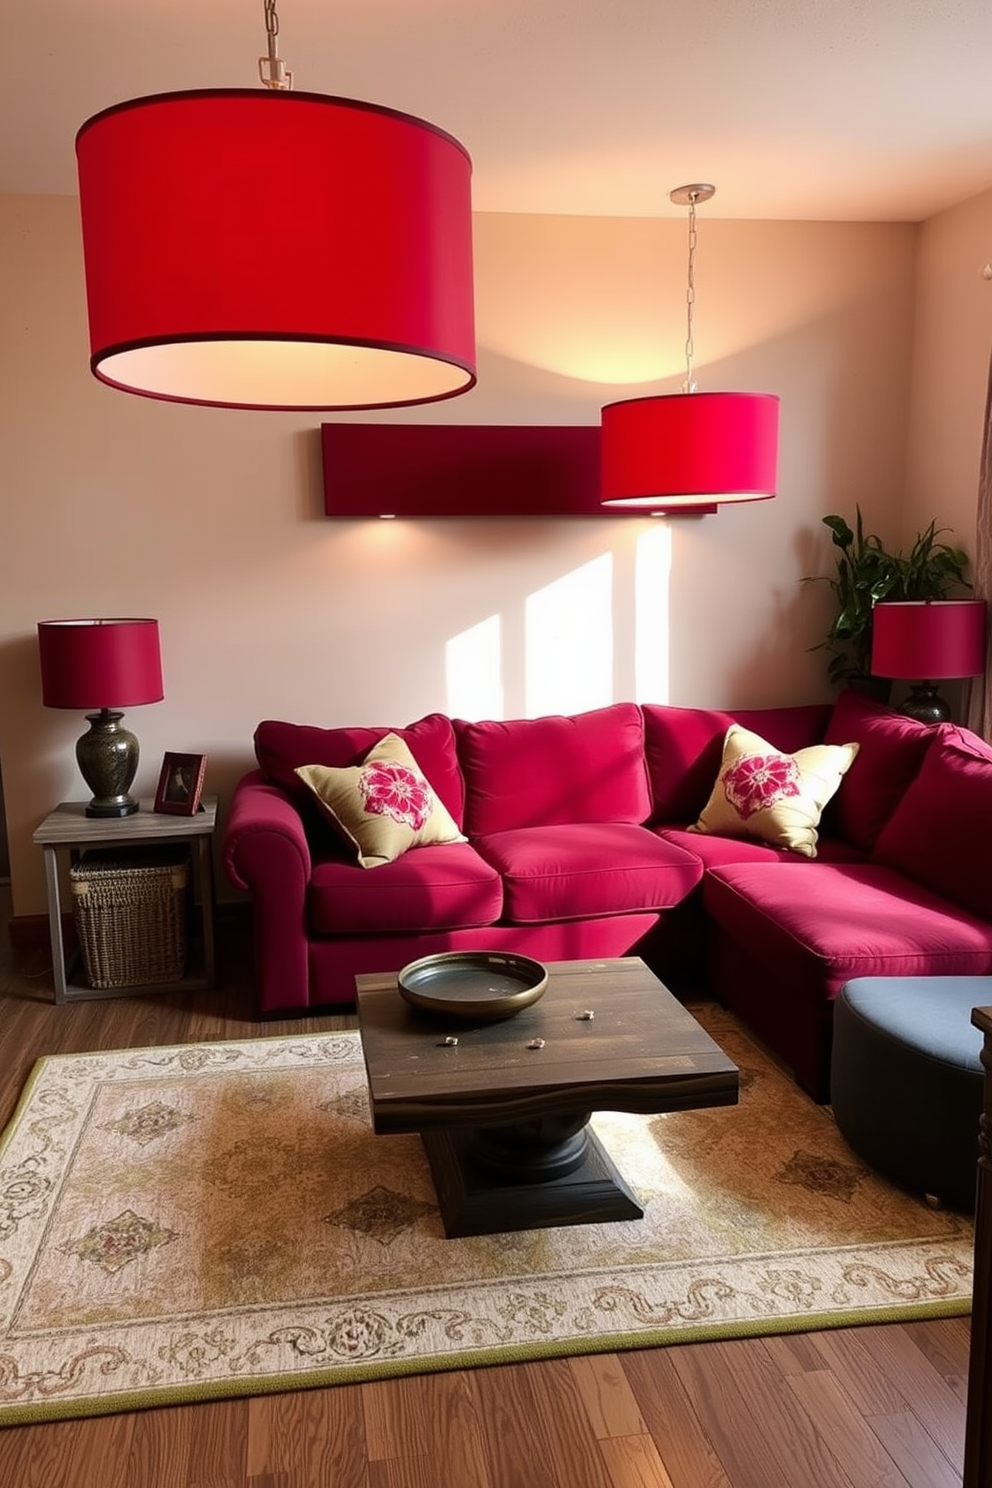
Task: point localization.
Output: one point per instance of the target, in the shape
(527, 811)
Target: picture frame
(180, 784)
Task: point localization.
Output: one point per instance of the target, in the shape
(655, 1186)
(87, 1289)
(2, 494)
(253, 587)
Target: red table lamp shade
(103, 665)
(925, 641)
(928, 639)
(99, 663)
(689, 450)
(247, 248)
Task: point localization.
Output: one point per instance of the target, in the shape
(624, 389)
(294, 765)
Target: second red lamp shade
(926, 641)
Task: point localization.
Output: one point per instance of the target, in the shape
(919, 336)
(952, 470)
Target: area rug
(208, 1220)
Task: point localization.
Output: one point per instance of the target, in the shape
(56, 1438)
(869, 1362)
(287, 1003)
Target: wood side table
(68, 831)
(978, 1432)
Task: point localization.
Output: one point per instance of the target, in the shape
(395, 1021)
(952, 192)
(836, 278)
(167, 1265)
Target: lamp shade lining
(241, 369)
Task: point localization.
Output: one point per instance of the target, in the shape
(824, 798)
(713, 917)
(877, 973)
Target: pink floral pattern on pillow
(394, 791)
(760, 780)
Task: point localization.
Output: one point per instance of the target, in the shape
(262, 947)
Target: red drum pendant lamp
(260, 248)
(689, 450)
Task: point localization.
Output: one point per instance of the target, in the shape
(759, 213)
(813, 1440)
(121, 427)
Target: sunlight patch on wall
(652, 587)
(596, 635)
(569, 629)
(473, 672)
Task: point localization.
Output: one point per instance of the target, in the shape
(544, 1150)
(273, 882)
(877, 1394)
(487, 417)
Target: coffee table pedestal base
(486, 1197)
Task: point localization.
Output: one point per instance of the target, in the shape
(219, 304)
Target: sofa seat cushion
(443, 887)
(715, 852)
(846, 920)
(540, 772)
(596, 868)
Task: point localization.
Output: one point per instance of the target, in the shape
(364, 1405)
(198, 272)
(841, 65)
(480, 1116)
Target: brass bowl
(480, 986)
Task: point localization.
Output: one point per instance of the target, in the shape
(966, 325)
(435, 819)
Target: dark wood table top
(642, 1051)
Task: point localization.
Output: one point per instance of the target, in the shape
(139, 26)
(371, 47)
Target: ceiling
(877, 110)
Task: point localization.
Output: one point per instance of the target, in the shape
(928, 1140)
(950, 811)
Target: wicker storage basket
(129, 907)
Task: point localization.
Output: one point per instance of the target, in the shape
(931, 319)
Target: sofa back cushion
(890, 755)
(541, 772)
(939, 834)
(684, 747)
(282, 748)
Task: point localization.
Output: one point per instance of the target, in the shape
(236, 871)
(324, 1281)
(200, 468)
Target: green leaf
(842, 534)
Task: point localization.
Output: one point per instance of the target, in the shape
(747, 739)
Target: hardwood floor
(873, 1407)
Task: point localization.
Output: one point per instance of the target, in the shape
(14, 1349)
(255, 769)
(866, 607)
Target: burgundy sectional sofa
(577, 844)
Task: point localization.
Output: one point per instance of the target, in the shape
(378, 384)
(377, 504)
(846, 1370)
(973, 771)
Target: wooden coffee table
(505, 1125)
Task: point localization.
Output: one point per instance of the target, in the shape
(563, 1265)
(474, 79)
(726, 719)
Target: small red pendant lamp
(689, 450)
(250, 248)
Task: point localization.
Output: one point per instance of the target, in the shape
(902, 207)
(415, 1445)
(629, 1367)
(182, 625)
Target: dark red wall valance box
(463, 470)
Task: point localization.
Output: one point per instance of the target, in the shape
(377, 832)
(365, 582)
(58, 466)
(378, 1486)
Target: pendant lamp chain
(689, 451)
(688, 196)
(271, 69)
(689, 385)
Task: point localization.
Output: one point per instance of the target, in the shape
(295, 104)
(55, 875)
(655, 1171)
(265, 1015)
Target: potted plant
(867, 573)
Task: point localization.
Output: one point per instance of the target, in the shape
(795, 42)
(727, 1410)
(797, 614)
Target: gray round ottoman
(906, 1080)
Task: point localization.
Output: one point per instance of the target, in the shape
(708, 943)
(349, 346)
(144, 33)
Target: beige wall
(953, 339)
(212, 520)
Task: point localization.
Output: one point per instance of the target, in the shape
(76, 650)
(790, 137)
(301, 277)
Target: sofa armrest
(265, 851)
